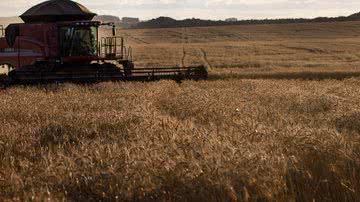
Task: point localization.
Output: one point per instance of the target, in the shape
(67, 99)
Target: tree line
(167, 22)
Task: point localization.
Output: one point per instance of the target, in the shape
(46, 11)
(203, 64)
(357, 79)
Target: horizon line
(213, 19)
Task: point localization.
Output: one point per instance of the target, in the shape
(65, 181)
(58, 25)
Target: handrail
(112, 47)
(129, 53)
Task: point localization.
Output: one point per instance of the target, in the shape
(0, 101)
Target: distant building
(231, 20)
(107, 19)
(129, 22)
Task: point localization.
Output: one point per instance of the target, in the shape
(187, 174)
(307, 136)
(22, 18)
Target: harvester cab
(81, 40)
(58, 41)
(78, 39)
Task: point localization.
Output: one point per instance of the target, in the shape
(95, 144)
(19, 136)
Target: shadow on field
(286, 75)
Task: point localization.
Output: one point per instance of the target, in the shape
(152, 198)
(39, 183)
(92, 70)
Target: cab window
(78, 41)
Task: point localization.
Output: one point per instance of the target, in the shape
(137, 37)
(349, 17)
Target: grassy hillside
(290, 133)
(167, 22)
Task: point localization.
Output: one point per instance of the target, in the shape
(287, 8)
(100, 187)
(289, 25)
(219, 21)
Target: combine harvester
(59, 42)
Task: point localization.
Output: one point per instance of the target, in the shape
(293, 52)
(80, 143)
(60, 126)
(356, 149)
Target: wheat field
(278, 120)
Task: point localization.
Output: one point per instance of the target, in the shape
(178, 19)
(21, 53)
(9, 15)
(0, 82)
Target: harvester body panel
(28, 46)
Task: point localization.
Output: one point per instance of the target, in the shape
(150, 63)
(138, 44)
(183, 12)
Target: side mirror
(114, 30)
(2, 31)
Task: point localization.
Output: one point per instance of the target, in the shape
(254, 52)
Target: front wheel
(5, 81)
(128, 68)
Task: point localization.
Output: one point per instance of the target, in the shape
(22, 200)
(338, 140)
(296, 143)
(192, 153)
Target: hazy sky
(208, 9)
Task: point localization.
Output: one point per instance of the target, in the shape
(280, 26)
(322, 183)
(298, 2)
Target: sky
(205, 9)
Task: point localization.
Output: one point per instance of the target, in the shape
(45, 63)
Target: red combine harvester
(58, 42)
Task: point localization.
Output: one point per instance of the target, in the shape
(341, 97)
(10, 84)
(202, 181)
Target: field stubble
(240, 51)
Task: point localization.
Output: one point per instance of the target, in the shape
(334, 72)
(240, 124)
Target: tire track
(183, 57)
(140, 40)
(185, 40)
(137, 40)
(175, 34)
(205, 58)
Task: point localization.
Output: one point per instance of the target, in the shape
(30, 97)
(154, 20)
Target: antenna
(113, 30)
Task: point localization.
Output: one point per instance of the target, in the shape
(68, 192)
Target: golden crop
(241, 140)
